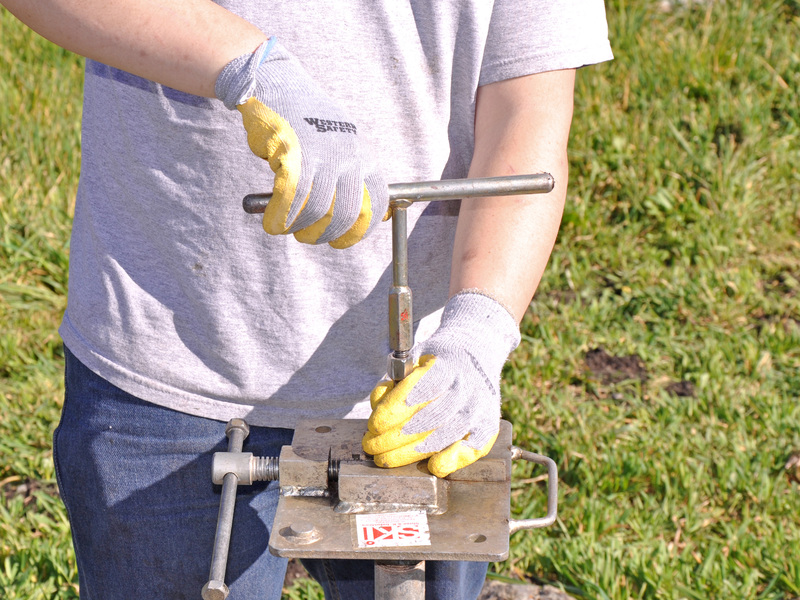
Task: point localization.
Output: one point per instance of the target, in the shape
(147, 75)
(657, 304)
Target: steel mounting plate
(475, 526)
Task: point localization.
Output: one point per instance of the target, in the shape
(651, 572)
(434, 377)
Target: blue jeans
(136, 481)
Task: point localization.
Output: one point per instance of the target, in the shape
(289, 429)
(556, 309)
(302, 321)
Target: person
(182, 313)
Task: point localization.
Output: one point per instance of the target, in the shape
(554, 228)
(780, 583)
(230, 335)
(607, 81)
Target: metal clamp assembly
(327, 483)
(331, 492)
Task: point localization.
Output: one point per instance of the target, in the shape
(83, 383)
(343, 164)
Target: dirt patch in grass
(682, 389)
(613, 369)
(498, 590)
(793, 467)
(784, 284)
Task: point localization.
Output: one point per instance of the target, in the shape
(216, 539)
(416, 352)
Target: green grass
(40, 89)
(680, 245)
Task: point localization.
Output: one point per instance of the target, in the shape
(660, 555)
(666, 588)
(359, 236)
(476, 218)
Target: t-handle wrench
(401, 196)
(401, 339)
(215, 589)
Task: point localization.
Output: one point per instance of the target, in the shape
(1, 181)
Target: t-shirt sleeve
(533, 36)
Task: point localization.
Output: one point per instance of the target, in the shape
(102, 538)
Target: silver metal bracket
(467, 513)
(327, 483)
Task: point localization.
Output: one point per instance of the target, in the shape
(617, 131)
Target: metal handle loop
(515, 525)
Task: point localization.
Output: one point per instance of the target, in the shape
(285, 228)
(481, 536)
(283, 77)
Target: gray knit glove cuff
(237, 81)
(472, 343)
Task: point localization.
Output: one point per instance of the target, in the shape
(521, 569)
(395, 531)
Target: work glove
(448, 407)
(326, 187)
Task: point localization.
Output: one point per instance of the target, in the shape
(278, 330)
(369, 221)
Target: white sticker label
(393, 529)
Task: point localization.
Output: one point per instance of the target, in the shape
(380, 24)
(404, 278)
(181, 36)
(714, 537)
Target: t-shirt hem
(196, 405)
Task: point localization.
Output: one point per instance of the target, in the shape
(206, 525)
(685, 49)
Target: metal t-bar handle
(401, 316)
(401, 196)
(407, 581)
(448, 189)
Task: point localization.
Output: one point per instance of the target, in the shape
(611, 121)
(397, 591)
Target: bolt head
(301, 532)
(215, 590)
(302, 529)
(237, 424)
(399, 368)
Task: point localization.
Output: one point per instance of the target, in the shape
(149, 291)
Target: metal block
(474, 528)
(333, 439)
(363, 488)
(302, 477)
(237, 463)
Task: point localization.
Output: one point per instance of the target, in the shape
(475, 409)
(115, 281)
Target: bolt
(302, 529)
(301, 532)
(264, 468)
(237, 424)
(215, 590)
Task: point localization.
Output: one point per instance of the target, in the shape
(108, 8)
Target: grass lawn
(660, 363)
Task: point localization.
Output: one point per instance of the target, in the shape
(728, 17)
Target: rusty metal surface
(400, 580)
(336, 439)
(475, 527)
(364, 488)
(301, 476)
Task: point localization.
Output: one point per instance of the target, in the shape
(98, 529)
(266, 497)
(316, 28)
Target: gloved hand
(448, 408)
(326, 188)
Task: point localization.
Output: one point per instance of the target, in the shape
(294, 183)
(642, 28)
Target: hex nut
(237, 424)
(215, 590)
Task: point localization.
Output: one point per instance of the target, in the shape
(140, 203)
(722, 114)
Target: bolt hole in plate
(323, 429)
(477, 538)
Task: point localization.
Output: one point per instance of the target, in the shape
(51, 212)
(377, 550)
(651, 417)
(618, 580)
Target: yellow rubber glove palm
(326, 187)
(448, 408)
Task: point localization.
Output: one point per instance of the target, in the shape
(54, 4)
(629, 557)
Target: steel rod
(401, 319)
(399, 246)
(215, 589)
(222, 539)
(448, 189)
(399, 580)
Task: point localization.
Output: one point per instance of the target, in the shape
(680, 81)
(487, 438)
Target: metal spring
(265, 468)
(333, 470)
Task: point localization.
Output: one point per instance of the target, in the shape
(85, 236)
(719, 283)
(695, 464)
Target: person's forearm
(183, 44)
(502, 245)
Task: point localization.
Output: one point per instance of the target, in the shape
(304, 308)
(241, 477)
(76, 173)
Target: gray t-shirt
(178, 297)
